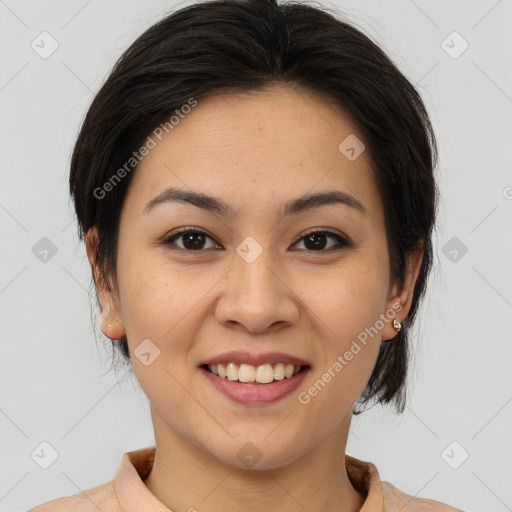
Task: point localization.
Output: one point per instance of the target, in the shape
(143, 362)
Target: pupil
(189, 238)
(317, 245)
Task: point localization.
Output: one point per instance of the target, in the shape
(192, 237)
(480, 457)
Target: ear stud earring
(397, 325)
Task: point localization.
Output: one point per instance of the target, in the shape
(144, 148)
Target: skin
(254, 151)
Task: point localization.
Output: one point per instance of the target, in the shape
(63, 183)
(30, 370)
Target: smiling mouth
(250, 374)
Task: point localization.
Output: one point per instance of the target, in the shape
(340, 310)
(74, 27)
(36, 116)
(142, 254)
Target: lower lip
(254, 393)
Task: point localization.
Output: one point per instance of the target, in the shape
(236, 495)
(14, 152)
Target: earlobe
(110, 317)
(401, 300)
(110, 327)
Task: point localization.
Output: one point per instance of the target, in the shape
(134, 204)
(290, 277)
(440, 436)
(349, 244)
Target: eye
(317, 240)
(193, 239)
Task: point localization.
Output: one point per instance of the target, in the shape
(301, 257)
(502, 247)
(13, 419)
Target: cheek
(348, 298)
(347, 309)
(163, 302)
(160, 311)
(150, 306)
(348, 305)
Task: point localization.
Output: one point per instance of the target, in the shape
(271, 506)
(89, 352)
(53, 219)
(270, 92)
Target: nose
(257, 295)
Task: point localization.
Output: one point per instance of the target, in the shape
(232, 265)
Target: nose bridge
(255, 295)
(255, 267)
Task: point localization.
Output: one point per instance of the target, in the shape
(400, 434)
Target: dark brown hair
(247, 45)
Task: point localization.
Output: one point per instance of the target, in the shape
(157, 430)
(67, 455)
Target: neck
(187, 477)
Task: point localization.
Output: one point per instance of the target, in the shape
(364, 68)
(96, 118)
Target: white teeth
(221, 370)
(288, 370)
(263, 374)
(279, 371)
(232, 371)
(246, 373)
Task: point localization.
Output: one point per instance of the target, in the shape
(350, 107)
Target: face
(250, 277)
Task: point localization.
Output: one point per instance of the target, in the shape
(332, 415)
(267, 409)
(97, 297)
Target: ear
(110, 316)
(400, 300)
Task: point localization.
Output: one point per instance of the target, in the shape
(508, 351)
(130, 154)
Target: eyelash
(344, 242)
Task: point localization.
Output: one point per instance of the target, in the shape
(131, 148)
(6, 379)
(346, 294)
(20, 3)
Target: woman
(254, 183)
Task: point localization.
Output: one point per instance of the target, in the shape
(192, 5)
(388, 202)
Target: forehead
(255, 149)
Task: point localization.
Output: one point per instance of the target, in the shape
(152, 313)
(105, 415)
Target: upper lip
(239, 357)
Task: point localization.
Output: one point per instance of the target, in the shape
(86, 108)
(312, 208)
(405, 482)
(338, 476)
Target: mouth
(254, 385)
(255, 379)
(252, 374)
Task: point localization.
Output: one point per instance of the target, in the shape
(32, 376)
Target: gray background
(55, 383)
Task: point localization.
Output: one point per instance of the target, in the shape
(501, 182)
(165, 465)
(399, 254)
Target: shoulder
(382, 495)
(396, 499)
(102, 497)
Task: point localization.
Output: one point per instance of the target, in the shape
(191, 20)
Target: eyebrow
(292, 207)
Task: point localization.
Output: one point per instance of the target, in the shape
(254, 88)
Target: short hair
(236, 46)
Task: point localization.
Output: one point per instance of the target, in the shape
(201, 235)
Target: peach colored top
(128, 493)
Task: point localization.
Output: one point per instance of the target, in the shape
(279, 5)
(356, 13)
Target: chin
(261, 456)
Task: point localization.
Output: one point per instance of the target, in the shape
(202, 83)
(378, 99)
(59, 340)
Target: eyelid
(342, 239)
(183, 231)
(328, 231)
